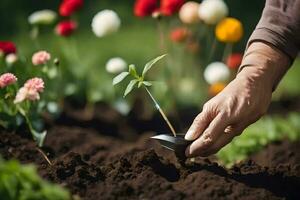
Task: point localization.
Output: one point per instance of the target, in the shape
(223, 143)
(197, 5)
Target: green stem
(162, 45)
(161, 112)
(227, 51)
(212, 50)
(36, 136)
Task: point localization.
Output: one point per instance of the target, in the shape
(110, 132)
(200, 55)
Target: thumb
(200, 123)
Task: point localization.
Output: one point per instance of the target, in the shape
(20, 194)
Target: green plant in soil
(258, 135)
(21, 182)
(17, 105)
(139, 81)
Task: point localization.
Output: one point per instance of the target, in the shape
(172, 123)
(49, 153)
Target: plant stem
(212, 50)
(161, 112)
(162, 46)
(227, 51)
(39, 138)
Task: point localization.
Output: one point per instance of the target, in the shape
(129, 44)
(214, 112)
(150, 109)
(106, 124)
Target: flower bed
(93, 166)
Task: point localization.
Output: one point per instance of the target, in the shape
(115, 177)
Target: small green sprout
(139, 81)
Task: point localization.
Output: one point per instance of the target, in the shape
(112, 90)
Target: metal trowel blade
(172, 143)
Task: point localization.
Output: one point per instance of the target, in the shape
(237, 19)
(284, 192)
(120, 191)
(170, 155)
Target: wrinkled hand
(240, 104)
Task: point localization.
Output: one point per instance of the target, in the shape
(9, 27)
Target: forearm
(265, 62)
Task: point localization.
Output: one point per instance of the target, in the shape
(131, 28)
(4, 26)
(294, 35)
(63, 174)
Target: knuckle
(197, 118)
(206, 107)
(207, 140)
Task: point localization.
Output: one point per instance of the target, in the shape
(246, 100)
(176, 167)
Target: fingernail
(189, 135)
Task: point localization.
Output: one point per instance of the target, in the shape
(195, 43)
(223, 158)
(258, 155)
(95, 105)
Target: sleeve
(280, 26)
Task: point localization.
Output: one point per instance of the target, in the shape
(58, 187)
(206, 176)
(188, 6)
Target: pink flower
(35, 84)
(40, 57)
(7, 79)
(30, 90)
(21, 95)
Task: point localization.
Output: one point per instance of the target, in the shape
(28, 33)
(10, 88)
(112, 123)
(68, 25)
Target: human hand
(240, 104)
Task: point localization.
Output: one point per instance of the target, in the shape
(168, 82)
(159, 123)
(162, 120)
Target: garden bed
(94, 166)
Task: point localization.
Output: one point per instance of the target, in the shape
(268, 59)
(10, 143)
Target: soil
(94, 166)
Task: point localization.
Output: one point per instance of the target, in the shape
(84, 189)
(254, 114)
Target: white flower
(122, 106)
(42, 17)
(11, 58)
(115, 65)
(105, 22)
(216, 72)
(187, 86)
(212, 11)
(188, 13)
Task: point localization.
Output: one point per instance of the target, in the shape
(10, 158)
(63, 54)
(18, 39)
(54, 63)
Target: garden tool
(177, 144)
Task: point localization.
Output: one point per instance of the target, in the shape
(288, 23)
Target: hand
(240, 104)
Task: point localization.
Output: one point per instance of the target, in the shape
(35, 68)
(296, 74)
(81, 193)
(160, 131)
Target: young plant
(139, 81)
(23, 182)
(15, 102)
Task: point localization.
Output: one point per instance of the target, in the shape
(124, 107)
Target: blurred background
(180, 86)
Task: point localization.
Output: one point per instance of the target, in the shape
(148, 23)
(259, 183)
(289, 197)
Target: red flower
(179, 34)
(143, 8)
(65, 28)
(170, 7)
(7, 47)
(68, 7)
(234, 60)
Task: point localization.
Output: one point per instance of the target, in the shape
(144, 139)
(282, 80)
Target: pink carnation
(35, 84)
(7, 79)
(30, 90)
(40, 57)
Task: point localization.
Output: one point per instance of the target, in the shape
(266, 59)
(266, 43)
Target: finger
(209, 137)
(229, 133)
(199, 125)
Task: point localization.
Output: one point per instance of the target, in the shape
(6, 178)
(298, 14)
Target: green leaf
(120, 78)
(150, 64)
(132, 71)
(130, 87)
(147, 83)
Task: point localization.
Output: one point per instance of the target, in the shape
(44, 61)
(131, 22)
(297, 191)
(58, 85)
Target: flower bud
(40, 58)
(68, 7)
(11, 58)
(115, 65)
(105, 22)
(212, 11)
(143, 8)
(188, 13)
(7, 47)
(42, 17)
(229, 30)
(216, 72)
(66, 28)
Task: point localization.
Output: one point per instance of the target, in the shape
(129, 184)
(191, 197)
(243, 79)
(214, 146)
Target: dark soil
(94, 166)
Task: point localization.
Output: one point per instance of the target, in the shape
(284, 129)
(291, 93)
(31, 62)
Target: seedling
(139, 81)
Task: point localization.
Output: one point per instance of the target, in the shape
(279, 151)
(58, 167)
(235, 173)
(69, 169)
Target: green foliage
(21, 182)
(136, 79)
(256, 136)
